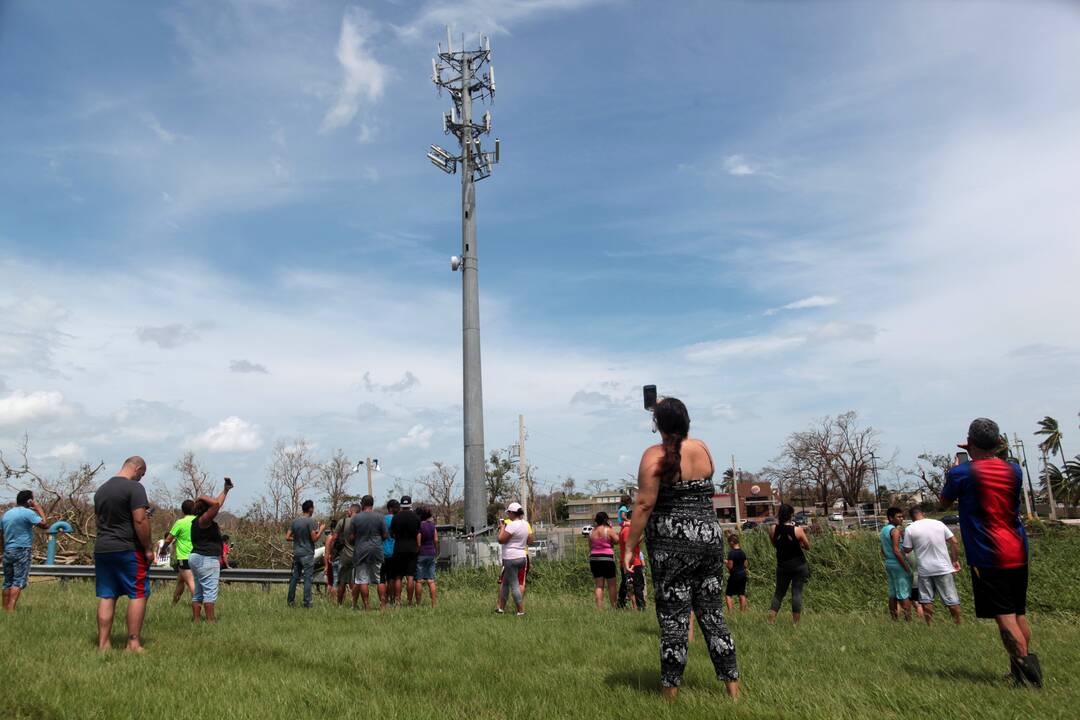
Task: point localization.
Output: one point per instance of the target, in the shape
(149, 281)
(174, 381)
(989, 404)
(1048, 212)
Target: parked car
(951, 519)
(801, 518)
(838, 517)
(540, 548)
(749, 525)
(586, 530)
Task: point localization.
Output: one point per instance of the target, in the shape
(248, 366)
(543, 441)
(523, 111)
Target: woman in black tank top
(791, 567)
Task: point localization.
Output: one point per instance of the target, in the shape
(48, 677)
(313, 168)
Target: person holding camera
(18, 525)
(686, 547)
(205, 557)
(303, 534)
(514, 537)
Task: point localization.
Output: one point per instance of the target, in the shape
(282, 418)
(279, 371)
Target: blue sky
(219, 229)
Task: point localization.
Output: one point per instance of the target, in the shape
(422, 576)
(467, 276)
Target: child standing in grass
(737, 566)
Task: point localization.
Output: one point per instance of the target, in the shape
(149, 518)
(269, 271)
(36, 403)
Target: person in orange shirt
(636, 577)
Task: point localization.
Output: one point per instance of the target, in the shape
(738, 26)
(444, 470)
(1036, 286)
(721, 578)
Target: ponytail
(673, 421)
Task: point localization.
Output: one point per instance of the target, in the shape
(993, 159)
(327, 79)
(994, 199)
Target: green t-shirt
(181, 530)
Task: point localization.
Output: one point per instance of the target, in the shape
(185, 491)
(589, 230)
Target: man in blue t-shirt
(388, 569)
(18, 529)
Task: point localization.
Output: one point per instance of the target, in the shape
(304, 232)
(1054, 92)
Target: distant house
(582, 511)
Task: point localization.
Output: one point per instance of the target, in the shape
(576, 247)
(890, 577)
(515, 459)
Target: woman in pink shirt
(602, 541)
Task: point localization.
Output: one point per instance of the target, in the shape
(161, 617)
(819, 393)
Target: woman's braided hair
(673, 422)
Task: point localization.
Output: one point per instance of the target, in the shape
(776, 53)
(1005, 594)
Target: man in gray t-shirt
(302, 534)
(367, 531)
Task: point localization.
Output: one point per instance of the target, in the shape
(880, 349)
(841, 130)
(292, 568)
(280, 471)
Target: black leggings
(796, 577)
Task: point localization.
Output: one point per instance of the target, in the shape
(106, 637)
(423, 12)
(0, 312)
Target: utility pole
(372, 464)
(877, 494)
(1049, 487)
(1029, 494)
(462, 74)
(735, 493)
(523, 467)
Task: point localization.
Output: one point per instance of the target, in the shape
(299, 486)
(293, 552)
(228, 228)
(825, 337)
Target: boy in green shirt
(180, 533)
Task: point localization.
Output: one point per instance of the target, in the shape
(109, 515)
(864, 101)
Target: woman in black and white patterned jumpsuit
(686, 548)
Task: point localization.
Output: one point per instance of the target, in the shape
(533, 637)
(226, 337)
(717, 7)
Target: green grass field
(563, 660)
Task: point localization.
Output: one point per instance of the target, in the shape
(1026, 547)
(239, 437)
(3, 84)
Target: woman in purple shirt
(428, 540)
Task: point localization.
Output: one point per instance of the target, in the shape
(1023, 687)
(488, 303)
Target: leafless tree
(194, 481)
(288, 476)
(597, 486)
(66, 495)
(852, 448)
(440, 489)
(929, 472)
(332, 478)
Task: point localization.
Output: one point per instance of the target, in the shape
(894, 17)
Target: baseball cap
(406, 501)
(513, 507)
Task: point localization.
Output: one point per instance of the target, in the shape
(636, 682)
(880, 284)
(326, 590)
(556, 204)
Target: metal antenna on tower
(465, 75)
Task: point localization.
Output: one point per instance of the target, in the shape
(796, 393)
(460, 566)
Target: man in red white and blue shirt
(987, 492)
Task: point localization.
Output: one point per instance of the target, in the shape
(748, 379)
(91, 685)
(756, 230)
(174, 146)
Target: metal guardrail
(264, 576)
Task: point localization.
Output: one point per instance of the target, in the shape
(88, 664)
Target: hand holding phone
(649, 393)
(228, 484)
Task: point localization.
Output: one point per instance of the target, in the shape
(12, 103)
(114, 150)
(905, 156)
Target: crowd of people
(396, 552)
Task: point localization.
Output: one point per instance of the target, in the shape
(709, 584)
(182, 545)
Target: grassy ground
(563, 660)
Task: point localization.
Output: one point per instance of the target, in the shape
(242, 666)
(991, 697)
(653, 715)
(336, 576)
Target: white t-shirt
(927, 537)
(517, 546)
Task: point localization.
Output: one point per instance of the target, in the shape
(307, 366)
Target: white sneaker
(499, 611)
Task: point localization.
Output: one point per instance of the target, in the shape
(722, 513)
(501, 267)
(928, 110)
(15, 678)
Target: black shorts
(602, 566)
(999, 591)
(386, 570)
(736, 585)
(181, 565)
(404, 564)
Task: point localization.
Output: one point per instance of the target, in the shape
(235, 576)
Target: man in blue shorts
(987, 491)
(18, 531)
(897, 569)
(123, 552)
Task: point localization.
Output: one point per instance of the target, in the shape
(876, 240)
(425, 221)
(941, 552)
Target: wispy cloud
(495, 16)
(737, 165)
(417, 437)
(753, 346)
(246, 366)
(167, 337)
(364, 76)
(407, 382)
(814, 301)
(164, 135)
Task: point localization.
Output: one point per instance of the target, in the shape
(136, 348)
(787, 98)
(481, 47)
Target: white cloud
(230, 435)
(754, 346)
(164, 135)
(66, 451)
(407, 382)
(417, 437)
(364, 76)
(814, 301)
(21, 407)
(737, 165)
(492, 15)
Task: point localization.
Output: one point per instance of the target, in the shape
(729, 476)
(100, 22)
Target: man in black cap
(987, 490)
(405, 529)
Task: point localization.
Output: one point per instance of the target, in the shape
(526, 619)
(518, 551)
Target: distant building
(582, 511)
(756, 502)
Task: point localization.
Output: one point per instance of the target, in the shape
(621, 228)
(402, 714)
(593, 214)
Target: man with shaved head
(123, 552)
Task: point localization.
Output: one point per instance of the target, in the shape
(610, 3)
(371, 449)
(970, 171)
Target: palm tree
(1048, 427)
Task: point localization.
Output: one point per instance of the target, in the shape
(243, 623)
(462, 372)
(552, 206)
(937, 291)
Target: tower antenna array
(467, 75)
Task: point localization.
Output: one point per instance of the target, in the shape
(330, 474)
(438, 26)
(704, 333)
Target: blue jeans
(304, 564)
(207, 572)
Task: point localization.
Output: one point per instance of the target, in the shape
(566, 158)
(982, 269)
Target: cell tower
(466, 74)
